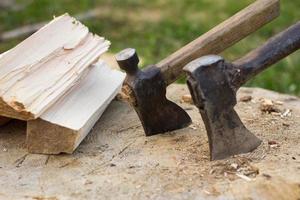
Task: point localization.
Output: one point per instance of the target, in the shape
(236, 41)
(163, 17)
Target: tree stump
(116, 160)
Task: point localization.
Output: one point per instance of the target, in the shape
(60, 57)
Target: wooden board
(39, 70)
(116, 160)
(63, 126)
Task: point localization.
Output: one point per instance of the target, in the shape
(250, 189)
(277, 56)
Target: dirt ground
(116, 160)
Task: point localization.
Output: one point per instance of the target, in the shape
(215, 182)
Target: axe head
(147, 92)
(210, 84)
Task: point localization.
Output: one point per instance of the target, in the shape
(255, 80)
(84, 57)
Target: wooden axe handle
(221, 37)
(275, 49)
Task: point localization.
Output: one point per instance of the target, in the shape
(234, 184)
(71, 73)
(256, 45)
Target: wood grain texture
(221, 37)
(38, 71)
(63, 126)
(116, 161)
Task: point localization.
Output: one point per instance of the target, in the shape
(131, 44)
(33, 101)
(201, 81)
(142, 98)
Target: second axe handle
(221, 37)
(275, 49)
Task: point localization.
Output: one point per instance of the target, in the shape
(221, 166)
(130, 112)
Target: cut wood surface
(221, 37)
(38, 71)
(63, 126)
(117, 161)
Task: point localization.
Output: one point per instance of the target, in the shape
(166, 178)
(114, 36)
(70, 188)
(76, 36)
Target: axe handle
(221, 37)
(275, 49)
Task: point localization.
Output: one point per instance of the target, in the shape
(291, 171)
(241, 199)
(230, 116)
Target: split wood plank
(38, 71)
(62, 127)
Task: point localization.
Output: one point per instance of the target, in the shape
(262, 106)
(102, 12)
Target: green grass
(159, 27)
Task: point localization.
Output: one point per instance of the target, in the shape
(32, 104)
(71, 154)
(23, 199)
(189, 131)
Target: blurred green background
(159, 27)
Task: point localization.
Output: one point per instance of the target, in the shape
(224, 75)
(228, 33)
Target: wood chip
(246, 178)
(246, 98)
(273, 144)
(234, 166)
(278, 102)
(285, 124)
(268, 106)
(192, 126)
(267, 176)
(286, 113)
(187, 98)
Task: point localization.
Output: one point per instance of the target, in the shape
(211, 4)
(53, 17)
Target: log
(38, 71)
(117, 157)
(67, 123)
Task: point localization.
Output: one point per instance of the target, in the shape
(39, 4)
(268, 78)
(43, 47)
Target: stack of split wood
(55, 81)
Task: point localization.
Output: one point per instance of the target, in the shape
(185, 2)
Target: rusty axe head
(212, 92)
(147, 91)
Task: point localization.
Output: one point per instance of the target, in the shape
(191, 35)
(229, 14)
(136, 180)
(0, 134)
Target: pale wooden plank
(63, 126)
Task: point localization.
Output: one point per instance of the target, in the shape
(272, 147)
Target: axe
(213, 84)
(147, 88)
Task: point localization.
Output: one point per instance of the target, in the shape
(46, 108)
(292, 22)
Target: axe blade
(148, 90)
(215, 98)
(157, 113)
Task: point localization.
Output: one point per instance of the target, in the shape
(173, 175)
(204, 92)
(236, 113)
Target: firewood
(38, 71)
(63, 126)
